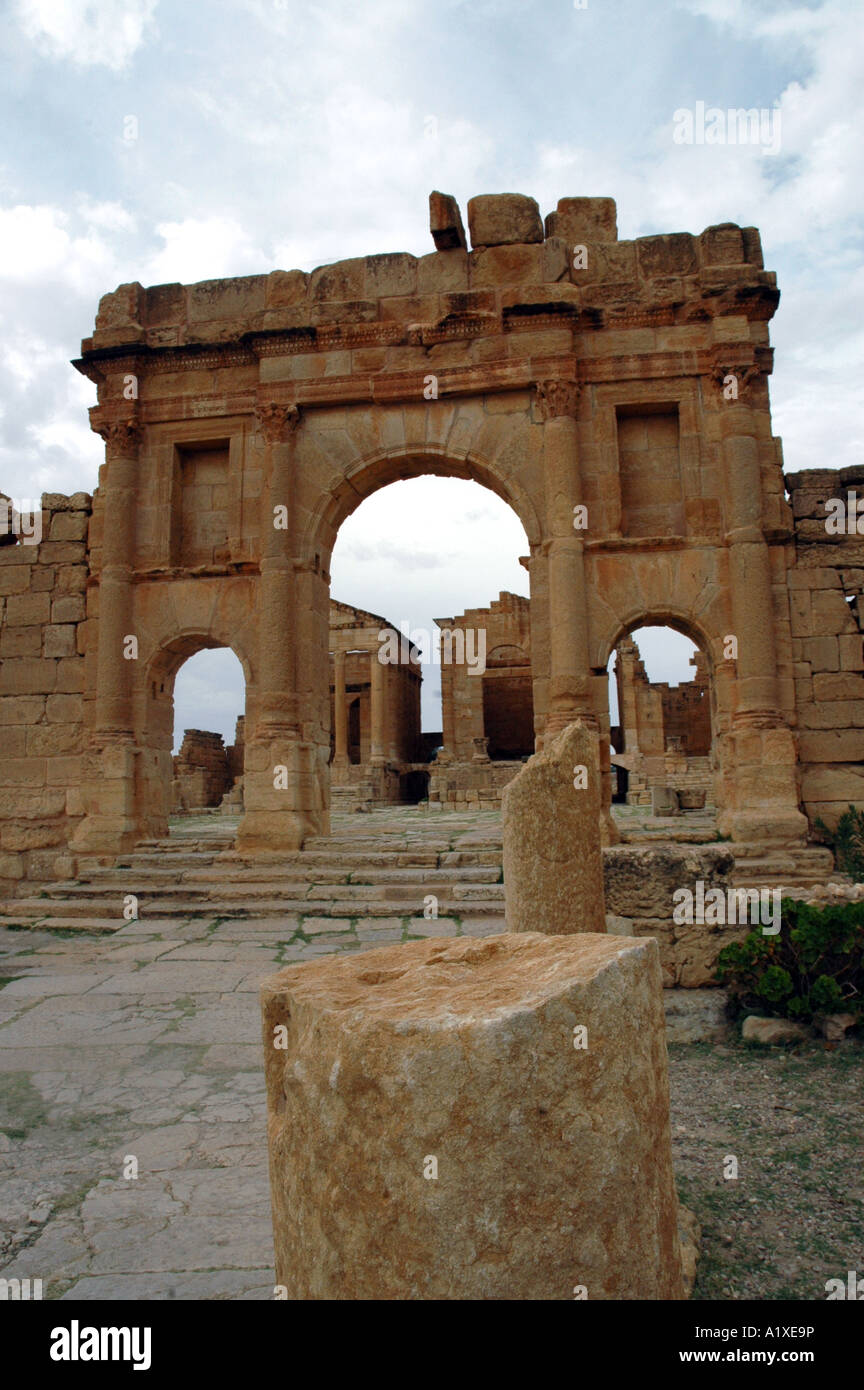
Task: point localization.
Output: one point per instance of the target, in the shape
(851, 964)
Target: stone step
(73, 912)
(78, 924)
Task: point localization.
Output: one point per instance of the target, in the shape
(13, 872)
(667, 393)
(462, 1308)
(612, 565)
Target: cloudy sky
(162, 140)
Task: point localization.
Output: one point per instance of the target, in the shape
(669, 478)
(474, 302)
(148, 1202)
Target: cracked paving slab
(140, 1052)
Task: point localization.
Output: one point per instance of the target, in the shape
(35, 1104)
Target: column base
(111, 825)
(286, 794)
(760, 799)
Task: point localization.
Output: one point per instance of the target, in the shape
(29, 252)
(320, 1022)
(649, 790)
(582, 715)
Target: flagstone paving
(138, 1049)
(144, 1045)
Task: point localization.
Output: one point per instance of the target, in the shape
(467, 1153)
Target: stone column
(764, 791)
(570, 683)
(571, 693)
(340, 711)
(111, 825)
(376, 709)
(283, 795)
(628, 718)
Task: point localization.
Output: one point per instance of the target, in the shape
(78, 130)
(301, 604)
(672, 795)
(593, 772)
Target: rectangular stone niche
(472, 1120)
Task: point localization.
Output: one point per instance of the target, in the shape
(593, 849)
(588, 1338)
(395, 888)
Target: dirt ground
(794, 1217)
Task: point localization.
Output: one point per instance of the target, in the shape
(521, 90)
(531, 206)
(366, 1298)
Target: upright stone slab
(472, 1120)
(553, 862)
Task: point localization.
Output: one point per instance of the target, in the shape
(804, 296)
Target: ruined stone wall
(504, 628)
(826, 590)
(201, 772)
(43, 634)
(236, 750)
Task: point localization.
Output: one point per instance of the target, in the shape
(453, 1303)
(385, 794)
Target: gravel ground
(794, 1119)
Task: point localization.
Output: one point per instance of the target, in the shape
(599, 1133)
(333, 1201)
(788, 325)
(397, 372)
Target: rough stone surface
(503, 219)
(695, 1015)
(553, 862)
(445, 222)
(834, 1027)
(553, 1161)
(772, 1030)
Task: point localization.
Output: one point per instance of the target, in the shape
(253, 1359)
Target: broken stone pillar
(472, 1120)
(553, 862)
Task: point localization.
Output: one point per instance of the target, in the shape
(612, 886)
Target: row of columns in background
(376, 709)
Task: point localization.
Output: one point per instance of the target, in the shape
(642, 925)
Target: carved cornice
(277, 423)
(557, 397)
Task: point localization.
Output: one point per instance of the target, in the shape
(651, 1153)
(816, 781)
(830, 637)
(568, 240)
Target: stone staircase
(381, 870)
(758, 866)
(387, 875)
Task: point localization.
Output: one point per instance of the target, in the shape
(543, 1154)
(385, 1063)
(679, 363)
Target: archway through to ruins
(431, 557)
(661, 706)
(193, 704)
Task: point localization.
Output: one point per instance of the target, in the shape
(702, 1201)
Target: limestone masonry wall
(43, 632)
(826, 591)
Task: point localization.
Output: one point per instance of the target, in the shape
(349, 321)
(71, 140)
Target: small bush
(847, 842)
(815, 965)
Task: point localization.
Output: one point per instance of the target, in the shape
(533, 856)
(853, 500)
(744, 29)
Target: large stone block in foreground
(553, 859)
(553, 1161)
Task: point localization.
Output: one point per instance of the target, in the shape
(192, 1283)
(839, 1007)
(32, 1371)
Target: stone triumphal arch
(617, 400)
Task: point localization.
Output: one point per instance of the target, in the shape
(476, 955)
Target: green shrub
(847, 842)
(815, 964)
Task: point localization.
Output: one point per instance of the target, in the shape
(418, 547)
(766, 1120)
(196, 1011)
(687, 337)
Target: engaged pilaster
(111, 825)
(570, 675)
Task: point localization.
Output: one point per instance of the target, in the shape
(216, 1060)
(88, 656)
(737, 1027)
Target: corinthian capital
(735, 378)
(555, 398)
(121, 436)
(277, 422)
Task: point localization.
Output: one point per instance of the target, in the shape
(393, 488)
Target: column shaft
(340, 710)
(114, 671)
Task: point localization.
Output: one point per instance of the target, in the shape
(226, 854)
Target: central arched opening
(429, 645)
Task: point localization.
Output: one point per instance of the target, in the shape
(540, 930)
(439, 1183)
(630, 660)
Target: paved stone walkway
(144, 1044)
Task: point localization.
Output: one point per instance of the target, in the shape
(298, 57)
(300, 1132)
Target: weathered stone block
(286, 288)
(21, 641)
(501, 219)
(59, 639)
(675, 254)
(22, 610)
(69, 526)
(640, 880)
(25, 675)
(553, 866)
(583, 220)
(15, 579)
(437, 1130)
(238, 298)
(722, 245)
(443, 272)
(69, 609)
(390, 274)
(445, 222)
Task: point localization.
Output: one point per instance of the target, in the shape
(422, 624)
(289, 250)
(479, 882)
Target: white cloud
(87, 32)
(203, 248)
